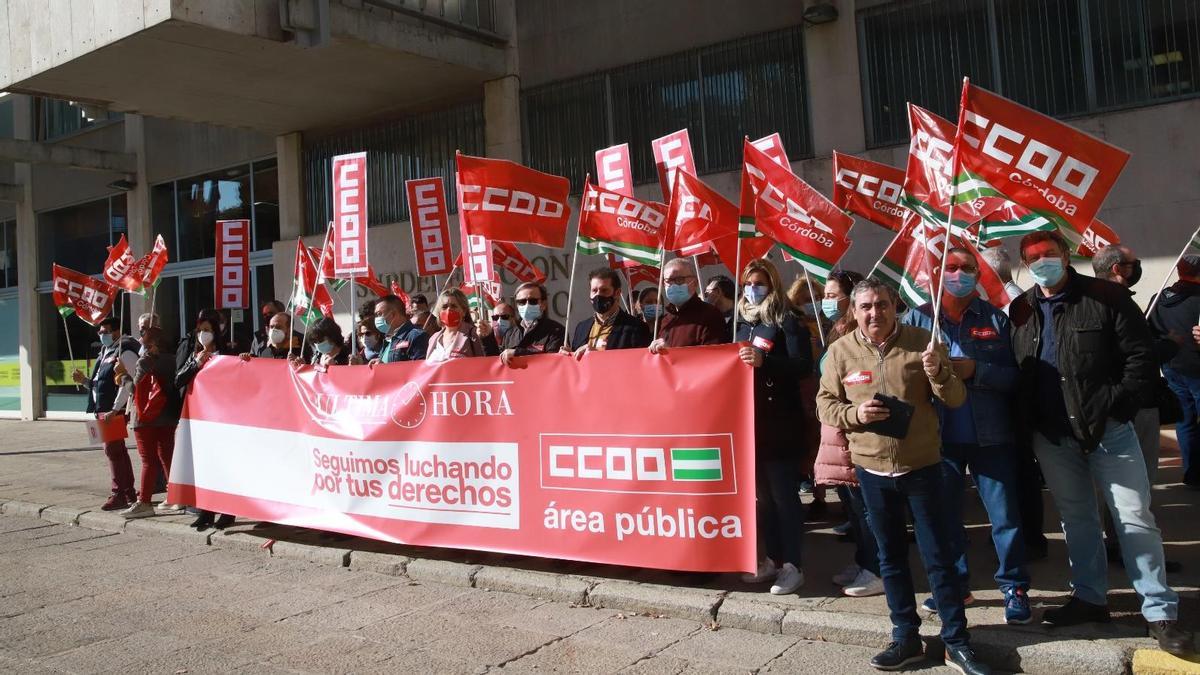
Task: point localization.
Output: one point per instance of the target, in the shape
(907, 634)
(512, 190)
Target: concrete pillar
(835, 86)
(502, 97)
(29, 302)
(289, 159)
(141, 229)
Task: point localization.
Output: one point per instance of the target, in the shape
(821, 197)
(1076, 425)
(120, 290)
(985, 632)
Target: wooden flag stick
(813, 298)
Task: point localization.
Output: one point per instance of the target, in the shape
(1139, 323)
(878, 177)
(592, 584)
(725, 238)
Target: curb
(1002, 647)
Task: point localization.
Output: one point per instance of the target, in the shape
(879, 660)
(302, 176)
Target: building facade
(163, 116)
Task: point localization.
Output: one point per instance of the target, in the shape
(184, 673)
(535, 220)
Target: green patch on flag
(815, 266)
(645, 255)
(696, 464)
(746, 227)
(66, 310)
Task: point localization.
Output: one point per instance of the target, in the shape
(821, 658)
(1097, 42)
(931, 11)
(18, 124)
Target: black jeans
(923, 493)
(866, 551)
(780, 512)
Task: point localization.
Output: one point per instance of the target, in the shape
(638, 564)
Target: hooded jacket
(1175, 314)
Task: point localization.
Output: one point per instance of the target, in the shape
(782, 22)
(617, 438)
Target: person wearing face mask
(1087, 364)
(402, 340)
(502, 321)
(418, 312)
(207, 341)
(609, 327)
(647, 307)
(777, 346)
(329, 345)
(688, 321)
(261, 336)
(154, 411)
(458, 337)
(720, 292)
(979, 433)
(370, 340)
(281, 341)
(535, 333)
(106, 398)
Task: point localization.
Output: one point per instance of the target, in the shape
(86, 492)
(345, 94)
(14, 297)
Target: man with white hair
(688, 321)
(1001, 261)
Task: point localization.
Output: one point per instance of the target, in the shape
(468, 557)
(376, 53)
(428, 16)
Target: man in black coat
(1175, 317)
(609, 327)
(534, 332)
(1086, 367)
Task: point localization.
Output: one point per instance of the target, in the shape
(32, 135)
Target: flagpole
(662, 267)
(353, 338)
(70, 349)
(313, 299)
(571, 288)
(813, 298)
(1163, 285)
(696, 262)
(448, 278)
(737, 283)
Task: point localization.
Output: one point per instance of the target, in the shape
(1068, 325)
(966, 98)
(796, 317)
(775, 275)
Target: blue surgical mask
(959, 284)
(382, 326)
(754, 293)
(502, 326)
(529, 313)
(677, 294)
(813, 309)
(106, 339)
(325, 347)
(831, 309)
(650, 312)
(1047, 272)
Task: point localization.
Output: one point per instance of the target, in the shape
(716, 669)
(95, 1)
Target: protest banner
(471, 454)
(614, 171)
(120, 267)
(505, 201)
(868, 189)
(430, 225)
(672, 153)
(232, 282)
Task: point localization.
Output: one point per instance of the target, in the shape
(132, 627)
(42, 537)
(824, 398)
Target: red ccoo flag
(77, 293)
(504, 201)
(1097, 236)
(698, 214)
(868, 189)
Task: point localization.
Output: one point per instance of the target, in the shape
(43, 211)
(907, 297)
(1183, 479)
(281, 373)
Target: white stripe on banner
(427, 482)
(696, 464)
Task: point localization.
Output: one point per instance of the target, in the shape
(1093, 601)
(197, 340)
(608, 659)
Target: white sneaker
(847, 575)
(168, 509)
(788, 581)
(766, 572)
(138, 510)
(864, 585)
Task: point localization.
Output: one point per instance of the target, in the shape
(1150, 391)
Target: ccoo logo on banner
(233, 264)
(350, 215)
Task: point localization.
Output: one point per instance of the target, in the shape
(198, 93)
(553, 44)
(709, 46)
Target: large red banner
(672, 153)
(472, 454)
(505, 201)
(349, 215)
(430, 225)
(90, 298)
(233, 264)
(868, 189)
(1034, 160)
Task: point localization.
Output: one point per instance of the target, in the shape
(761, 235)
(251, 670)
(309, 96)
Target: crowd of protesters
(891, 407)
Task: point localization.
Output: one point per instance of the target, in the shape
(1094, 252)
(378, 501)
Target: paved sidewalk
(42, 465)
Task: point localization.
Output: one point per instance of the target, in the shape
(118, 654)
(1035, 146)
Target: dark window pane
(266, 205)
(60, 394)
(166, 306)
(754, 88)
(77, 236)
(10, 352)
(1041, 54)
(203, 200)
(1119, 52)
(6, 118)
(919, 52)
(197, 295)
(414, 147)
(653, 99)
(565, 125)
(8, 258)
(1174, 42)
(162, 214)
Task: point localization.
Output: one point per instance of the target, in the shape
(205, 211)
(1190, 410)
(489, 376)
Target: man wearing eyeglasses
(689, 321)
(533, 332)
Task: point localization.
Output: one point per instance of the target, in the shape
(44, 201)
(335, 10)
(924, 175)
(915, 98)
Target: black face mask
(602, 303)
(1135, 272)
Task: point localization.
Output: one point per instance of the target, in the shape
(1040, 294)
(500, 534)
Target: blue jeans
(1117, 469)
(994, 469)
(1187, 390)
(780, 512)
(888, 501)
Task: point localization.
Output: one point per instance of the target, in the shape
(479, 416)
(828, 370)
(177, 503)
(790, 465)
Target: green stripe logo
(696, 464)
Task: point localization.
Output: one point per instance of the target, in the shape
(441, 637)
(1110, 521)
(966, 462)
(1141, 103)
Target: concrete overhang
(232, 63)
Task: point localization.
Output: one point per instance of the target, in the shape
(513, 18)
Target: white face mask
(205, 337)
(277, 336)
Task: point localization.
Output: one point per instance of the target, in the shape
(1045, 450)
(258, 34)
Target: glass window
(653, 99)
(266, 204)
(55, 118)
(162, 214)
(78, 236)
(6, 117)
(1040, 51)
(8, 254)
(202, 201)
(10, 369)
(61, 394)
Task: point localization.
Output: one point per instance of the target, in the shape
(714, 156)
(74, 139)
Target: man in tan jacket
(902, 474)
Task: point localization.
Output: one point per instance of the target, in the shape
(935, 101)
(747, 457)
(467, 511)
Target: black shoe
(224, 521)
(899, 654)
(203, 522)
(963, 660)
(1075, 612)
(1170, 638)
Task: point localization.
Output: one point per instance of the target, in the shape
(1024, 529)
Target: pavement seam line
(556, 640)
(660, 650)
